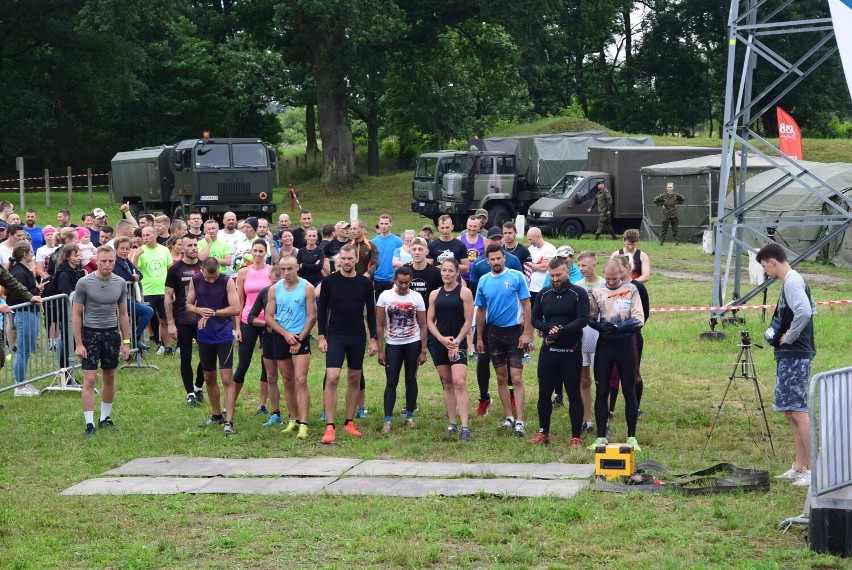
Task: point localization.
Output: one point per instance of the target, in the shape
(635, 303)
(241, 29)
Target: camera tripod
(744, 369)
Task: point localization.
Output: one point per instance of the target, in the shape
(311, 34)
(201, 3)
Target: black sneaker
(106, 423)
(610, 414)
(199, 396)
(557, 401)
(140, 344)
(262, 411)
(588, 427)
(190, 400)
(90, 430)
(213, 421)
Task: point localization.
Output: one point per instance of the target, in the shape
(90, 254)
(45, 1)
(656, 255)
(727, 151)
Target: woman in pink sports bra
(250, 281)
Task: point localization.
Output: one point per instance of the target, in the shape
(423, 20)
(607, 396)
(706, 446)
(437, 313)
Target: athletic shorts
(158, 303)
(791, 385)
(281, 350)
(588, 358)
(503, 346)
(266, 344)
(440, 354)
(209, 353)
(102, 345)
(350, 348)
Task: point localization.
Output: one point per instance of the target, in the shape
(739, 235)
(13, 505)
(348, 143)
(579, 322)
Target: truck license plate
(421, 204)
(208, 197)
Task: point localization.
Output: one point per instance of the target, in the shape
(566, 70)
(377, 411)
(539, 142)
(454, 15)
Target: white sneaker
(161, 351)
(26, 392)
(804, 479)
(790, 473)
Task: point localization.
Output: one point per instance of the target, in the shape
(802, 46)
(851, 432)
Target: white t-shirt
(538, 255)
(42, 255)
(5, 254)
(233, 240)
(401, 325)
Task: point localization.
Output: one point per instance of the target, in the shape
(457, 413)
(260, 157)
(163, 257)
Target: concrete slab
(265, 486)
(213, 467)
(385, 468)
(391, 487)
(216, 485)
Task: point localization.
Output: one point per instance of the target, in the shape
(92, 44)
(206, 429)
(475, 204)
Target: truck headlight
(546, 214)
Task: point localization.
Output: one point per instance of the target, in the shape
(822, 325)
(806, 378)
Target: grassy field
(44, 452)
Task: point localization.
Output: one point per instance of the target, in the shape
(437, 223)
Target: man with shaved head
(541, 253)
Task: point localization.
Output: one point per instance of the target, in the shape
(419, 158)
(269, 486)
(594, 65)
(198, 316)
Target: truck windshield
(249, 155)
(212, 155)
(564, 188)
(464, 165)
(425, 168)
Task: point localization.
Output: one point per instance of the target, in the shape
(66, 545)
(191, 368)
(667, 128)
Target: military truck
(563, 210)
(505, 182)
(213, 175)
(429, 174)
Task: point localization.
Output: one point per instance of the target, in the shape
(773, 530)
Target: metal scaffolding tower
(749, 22)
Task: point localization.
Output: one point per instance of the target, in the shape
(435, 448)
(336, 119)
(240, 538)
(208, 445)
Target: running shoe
(610, 414)
(452, 429)
(273, 419)
(482, 408)
(292, 426)
(351, 429)
(409, 423)
(229, 428)
(404, 412)
(303, 432)
(540, 439)
(26, 392)
(599, 441)
(322, 415)
(576, 443)
(140, 344)
(519, 430)
(588, 427)
(90, 430)
(557, 401)
(213, 421)
(106, 423)
(804, 479)
(791, 473)
(632, 441)
(262, 410)
(508, 423)
(199, 396)
(386, 428)
(464, 435)
(361, 413)
(161, 351)
(191, 400)
(328, 436)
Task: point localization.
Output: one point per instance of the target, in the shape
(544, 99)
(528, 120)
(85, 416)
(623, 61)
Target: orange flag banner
(789, 136)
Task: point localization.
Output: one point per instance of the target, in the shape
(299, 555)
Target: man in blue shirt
(36, 232)
(503, 302)
(386, 242)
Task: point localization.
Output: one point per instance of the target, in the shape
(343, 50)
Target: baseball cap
(564, 251)
(428, 228)
(481, 212)
(98, 213)
(252, 221)
(495, 232)
(3, 226)
(419, 241)
(49, 230)
(341, 224)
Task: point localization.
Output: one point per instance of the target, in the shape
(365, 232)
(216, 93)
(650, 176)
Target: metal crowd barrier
(831, 431)
(46, 358)
(40, 347)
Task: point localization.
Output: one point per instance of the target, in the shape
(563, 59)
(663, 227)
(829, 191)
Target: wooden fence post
(70, 188)
(89, 179)
(47, 187)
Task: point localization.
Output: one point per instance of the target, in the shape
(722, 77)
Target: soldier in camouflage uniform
(669, 202)
(603, 200)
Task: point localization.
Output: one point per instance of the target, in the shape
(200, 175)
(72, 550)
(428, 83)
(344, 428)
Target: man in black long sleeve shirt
(560, 313)
(343, 297)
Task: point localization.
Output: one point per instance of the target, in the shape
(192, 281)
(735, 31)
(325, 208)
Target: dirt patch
(696, 276)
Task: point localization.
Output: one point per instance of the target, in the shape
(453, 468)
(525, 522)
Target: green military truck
(213, 175)
(428, 176)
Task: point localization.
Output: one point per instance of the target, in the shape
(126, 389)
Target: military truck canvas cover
(510, 144)
(795, 199)
(544, 160)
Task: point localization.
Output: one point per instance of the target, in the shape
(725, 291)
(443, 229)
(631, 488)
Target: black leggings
(246, 350)
(185, 334)
(397, 355)
(640, 385)
(608, 354)
(558, 366)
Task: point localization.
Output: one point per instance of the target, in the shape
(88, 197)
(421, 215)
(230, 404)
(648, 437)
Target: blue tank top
(213, 296)
(291, 310)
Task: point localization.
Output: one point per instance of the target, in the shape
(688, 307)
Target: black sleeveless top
(636, 270)
(449, 313)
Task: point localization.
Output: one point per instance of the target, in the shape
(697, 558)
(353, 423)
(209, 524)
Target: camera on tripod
(745, 338)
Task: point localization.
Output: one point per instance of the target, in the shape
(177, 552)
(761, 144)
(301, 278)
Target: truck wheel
(571, 229)
(498, 215)
(178, 214)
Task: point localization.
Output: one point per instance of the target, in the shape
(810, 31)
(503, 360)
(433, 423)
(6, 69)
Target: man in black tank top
(640, 269)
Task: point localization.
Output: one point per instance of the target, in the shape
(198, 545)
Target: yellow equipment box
(614, 460)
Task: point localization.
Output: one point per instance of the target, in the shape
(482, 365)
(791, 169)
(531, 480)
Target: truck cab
(480, 179)
(563, 209)
(428, 176)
